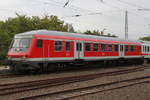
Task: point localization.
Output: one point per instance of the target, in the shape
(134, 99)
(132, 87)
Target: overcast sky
(96, 14)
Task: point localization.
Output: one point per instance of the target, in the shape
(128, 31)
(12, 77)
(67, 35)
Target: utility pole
(126, 25)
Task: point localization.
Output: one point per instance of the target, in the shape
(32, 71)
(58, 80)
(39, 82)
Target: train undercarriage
(45, 66)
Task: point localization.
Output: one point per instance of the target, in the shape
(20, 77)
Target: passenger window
(39, 43)
(132, 48)
(103, 47)
(121, 48)
(116, 48)
(87, 46)
(148, 49)
(67, 46)
(95, 46)
(109, 47)
(58, 45)
(78, 46)
(145, 48)
(127, 48)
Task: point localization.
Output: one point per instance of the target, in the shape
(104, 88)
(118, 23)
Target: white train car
(146, 50)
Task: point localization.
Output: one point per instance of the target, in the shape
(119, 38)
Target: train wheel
(51, 67)
(13, 69)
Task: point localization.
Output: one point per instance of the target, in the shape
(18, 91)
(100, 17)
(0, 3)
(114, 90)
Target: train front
(19, 52)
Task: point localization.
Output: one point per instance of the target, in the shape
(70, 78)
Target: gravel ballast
(81, 84)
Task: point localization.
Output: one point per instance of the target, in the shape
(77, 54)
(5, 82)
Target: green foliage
(145, 38)
(22, 23)
(98, 33)
(4, 43)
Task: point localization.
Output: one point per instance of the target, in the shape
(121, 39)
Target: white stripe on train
(72, 58)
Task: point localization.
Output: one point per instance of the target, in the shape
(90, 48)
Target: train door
(46, 49)
(40, 48)
(121, 50)
(78, 50)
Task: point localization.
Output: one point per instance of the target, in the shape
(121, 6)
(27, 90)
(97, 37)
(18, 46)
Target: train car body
(34, 49)
(146, 50)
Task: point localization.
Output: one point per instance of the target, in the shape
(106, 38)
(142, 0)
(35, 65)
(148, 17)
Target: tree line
(145, 38)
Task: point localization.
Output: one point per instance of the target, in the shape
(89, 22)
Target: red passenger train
(43, 49)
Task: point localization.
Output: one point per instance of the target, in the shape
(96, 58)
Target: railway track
(72, 93)
(14, 88)
(9, 75)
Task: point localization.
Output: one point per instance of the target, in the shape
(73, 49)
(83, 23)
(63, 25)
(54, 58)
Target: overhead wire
(131, 4)
(144, 9)
(139, 15)
(94, 13)
(132, 9)
(66, 3)
(88, 11)
(59, 4)
(105, 3)
(84, 12)
(79, 15)
(73, 7)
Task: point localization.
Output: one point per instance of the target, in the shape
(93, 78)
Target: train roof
(145, 42)
(68, 34)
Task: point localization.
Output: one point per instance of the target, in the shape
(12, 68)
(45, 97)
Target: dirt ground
(4, 67)
(136, 92)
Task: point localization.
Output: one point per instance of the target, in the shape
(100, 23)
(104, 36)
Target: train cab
(19, 50)
(20, 47)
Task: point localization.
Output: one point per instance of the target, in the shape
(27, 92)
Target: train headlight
(24, 57)
(8, 57)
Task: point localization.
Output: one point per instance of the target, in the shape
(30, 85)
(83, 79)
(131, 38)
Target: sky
(94, 14)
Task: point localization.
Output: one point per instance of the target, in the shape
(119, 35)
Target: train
(44, 50)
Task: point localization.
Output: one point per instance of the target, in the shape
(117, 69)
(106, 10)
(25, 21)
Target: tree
(4, 43)
(145, 38)
(98, 33)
